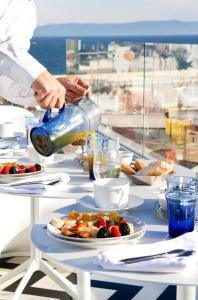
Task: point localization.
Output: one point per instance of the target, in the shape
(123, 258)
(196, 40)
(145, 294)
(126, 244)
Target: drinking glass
(181, 196)
(30, 122)
(106, 163)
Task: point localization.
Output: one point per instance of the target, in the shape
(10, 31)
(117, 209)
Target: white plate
(7, 178)
(139, 230)
(88, 201)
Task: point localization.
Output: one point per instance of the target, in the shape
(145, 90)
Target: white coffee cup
(111, 193)
(6, 130)
(36, 157)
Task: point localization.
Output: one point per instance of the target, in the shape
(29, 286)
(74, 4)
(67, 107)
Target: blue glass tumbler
(181, 196)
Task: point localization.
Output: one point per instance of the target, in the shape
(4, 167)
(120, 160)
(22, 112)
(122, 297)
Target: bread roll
(139, 165)
(127, 169)
(156, 168)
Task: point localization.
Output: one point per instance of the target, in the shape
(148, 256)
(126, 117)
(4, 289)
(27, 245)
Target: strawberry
(33, 169)
(115, 232)
(123, 220)
(20, 171)
(101, 223)
(5, 170)
(21, 166)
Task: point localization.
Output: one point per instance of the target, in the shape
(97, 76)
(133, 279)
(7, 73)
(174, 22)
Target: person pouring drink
(23, 80)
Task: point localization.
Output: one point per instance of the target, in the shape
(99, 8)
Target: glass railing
(147, 94)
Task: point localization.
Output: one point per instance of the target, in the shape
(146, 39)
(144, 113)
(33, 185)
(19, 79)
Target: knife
(175, 252)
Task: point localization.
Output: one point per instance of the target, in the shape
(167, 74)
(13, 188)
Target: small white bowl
(125, 157)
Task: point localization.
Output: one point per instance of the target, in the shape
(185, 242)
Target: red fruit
(21, 167)
(115, 232)
(20, 171)
(5, 170)
(33, 169)
(123, 221)
(101, 223)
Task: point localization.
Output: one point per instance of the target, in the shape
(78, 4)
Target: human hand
(76, 88)
(49, 93)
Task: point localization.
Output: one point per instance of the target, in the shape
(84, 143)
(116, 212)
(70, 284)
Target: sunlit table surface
(81, 260)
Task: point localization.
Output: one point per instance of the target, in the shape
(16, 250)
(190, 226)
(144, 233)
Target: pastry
(139, 165)
(127, 169)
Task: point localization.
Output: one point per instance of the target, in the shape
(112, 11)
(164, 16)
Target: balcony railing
(147, 93)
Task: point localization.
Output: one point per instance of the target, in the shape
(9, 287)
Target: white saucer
(57, 158)
(88, 201)
(15, 137)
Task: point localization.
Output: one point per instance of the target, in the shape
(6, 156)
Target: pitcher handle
(47, 115)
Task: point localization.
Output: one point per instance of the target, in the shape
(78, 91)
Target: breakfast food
(127, 169)
(92, 225)
(156, 168)
(17, 168)
(139, 165)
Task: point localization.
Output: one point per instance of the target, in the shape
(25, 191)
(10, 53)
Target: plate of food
(151, 173)
(12, 170)
(95, 230)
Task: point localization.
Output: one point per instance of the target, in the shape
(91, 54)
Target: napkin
(37, 184)
(110, 259)
(8, 147)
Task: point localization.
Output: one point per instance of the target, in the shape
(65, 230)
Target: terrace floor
(40, 287)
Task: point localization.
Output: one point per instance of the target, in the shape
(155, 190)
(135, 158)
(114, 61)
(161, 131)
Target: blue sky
(110, 11)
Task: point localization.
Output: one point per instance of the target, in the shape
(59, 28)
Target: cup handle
(122, 193)
(47, 115)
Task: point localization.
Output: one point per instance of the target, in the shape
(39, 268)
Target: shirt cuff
(23, 68)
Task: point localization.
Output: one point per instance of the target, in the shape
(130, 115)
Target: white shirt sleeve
(23, 68)
(17, 23)
(16, 93)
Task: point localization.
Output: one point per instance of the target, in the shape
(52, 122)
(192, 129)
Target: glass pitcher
(72, 122)
(106, 162)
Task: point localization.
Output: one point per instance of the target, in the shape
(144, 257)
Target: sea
(51, 51)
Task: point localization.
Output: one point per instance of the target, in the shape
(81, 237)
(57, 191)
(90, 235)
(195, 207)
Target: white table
(81, 260)
(42, 244)
(71, 192)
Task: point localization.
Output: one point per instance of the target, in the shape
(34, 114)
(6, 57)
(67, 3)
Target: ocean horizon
(51, 51)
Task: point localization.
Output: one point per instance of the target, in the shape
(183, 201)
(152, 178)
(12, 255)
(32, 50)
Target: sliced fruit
(115, 231)
(101, 223)
(74, 214)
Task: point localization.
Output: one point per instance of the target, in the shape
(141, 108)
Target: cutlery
(172, 253)
(47, 182)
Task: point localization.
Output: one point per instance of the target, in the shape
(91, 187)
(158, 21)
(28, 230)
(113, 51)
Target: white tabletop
(79, 258)
(83, 259)
(80, 184)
